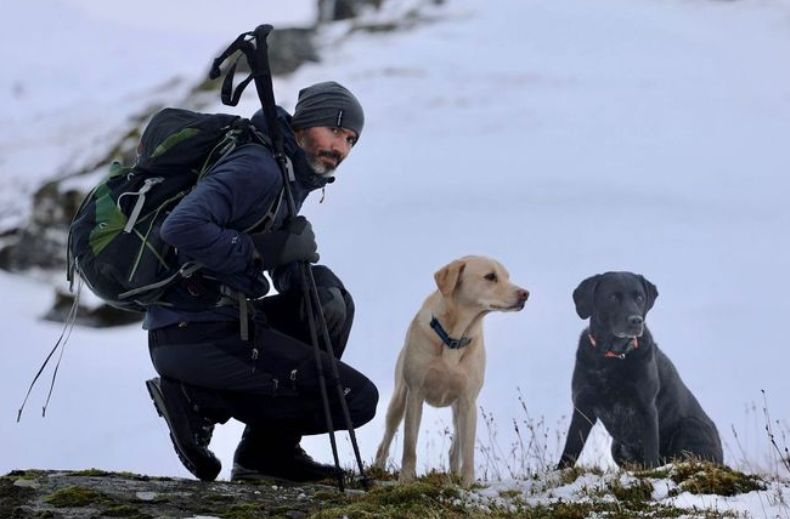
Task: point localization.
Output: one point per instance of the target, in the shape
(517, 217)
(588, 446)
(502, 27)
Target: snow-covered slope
(565, 138)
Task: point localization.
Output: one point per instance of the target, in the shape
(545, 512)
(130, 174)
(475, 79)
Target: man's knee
(362, 404)
(349, 308)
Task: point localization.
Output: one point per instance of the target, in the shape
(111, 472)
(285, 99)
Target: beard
(315, 159)
(321, 168)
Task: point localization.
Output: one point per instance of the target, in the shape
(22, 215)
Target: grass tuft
(708, 478)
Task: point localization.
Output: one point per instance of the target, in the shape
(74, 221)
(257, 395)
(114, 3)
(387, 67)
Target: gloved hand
(294, 242)
(334, 307)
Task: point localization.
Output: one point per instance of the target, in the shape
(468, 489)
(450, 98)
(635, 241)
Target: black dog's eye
(491, 277)
(614, 298)
(639, 298)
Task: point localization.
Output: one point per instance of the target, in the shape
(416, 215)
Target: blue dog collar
(453, 344)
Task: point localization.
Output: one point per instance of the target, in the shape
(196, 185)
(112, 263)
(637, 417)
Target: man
(217, 361)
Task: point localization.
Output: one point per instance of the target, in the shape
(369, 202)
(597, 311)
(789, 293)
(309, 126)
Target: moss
(365, 510)
(328, 496)
(560, 510)
(244, 511)
(400, 494)
(378, 474)
(25, 474)
(636, 494)
(74, 496)
(429, 496)
(441, 480)
(127, 511)
(218, 498)
(90, 473)
(662, 473)
(98, 473)
(708, 478)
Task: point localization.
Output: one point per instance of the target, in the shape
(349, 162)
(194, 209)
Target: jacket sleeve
(206, 225)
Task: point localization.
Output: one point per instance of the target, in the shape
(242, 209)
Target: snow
(592, 488)
(564, 138)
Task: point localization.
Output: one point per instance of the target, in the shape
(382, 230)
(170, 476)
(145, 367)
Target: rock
(95, 493)
(101, 316)
(291, 48)
(28, 483)
(42, 243)
(333, 10)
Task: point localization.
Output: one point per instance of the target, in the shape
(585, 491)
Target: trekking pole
(258, 58)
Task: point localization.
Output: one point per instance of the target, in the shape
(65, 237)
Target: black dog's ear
(651, 293)
(583, 296)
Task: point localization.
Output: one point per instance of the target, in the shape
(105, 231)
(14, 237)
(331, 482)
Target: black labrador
(624, 380)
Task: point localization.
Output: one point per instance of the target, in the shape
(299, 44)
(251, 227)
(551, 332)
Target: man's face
(325, 147)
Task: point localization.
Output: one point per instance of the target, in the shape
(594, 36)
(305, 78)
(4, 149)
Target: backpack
(114, 243)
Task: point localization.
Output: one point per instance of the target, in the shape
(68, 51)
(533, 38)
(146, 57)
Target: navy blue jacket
(208, 226)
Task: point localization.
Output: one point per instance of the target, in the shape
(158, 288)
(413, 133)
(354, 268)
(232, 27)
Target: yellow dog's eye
(491, 277)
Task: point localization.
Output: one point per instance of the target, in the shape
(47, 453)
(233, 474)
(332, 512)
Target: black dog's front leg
(581, 423)
(639, 447)
(650, 437)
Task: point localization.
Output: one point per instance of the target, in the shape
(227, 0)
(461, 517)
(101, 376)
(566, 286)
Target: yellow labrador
(443, 359)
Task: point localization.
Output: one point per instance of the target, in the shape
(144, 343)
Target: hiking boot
(296, 466)
(189, 431)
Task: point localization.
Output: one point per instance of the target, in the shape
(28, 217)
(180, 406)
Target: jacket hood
(302, 170)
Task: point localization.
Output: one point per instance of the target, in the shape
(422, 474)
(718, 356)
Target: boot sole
(159, 404)
(239, 473)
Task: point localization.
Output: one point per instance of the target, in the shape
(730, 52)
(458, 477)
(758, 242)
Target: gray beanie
(328, 104)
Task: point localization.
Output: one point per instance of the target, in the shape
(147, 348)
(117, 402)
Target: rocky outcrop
(687, 489)
(333, 10)
(95, 493)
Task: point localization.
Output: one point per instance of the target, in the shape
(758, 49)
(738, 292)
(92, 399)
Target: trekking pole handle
(262, 31)
(238, 44)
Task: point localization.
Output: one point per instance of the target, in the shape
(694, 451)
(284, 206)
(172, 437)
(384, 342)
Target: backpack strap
(186, 270)
(68, 326)
(267, 220)
(233, 140)
(235, 297)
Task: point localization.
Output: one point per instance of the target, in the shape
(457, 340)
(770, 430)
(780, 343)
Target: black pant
(278, 394)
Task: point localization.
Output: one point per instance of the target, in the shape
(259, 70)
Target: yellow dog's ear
(448, 277)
